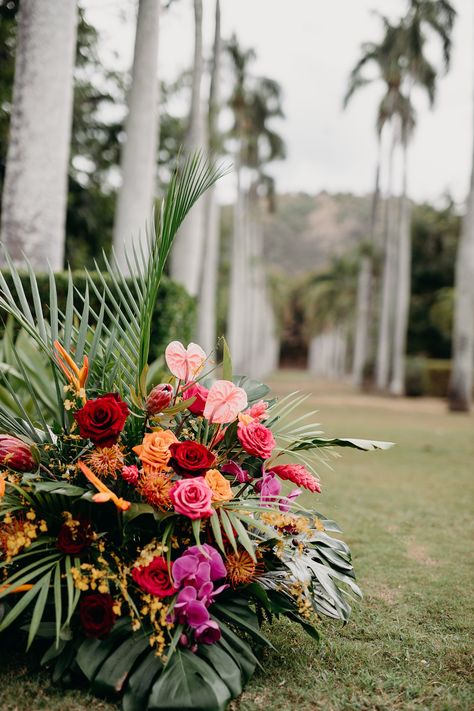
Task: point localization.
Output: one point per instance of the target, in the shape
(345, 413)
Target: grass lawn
(407, 515)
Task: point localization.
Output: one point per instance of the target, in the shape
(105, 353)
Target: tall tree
(187, 254)
(438, 17)
(462, 380)
(384, 59)
(206, 326)
(139, 155)
(35, 188)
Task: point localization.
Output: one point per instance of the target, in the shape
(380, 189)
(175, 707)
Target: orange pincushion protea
(155, 488)
(241, 569)
(106, 461)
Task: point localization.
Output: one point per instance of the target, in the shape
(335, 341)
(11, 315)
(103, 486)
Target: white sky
(309, 46)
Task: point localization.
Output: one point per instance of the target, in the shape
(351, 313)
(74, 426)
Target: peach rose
(220, 486)
(154, 452)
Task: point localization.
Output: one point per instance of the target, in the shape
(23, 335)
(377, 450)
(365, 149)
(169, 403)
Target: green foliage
(173, 315)
(435, 234)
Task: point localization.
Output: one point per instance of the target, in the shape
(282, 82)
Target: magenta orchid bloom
(286, 500)
(208, 633)
(236, 470)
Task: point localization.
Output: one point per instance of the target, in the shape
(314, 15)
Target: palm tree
(187, 255)
(438, 17)
(461, 383)
(327, 302)
(206, 326)
(383, 57)
(139, 155)
(35, 188)
(251, 326)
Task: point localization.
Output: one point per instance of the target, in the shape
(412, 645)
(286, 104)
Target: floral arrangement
(147, 530)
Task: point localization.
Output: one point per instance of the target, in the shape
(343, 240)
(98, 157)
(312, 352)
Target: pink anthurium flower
(224, 402)
(184, 363)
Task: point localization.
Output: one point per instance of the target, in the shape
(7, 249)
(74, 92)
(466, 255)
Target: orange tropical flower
(2, 485)
(19, 589)
(76, 376)
(219, 485)
(105, 494)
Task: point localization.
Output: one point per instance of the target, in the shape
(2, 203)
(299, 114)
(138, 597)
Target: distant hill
(305, 230)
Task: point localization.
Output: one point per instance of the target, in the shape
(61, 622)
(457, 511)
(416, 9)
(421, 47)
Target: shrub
(174, 310)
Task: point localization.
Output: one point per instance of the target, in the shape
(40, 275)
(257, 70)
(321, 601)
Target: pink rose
(256, 439)
(192, 498)
(200, 393)
(258, 411)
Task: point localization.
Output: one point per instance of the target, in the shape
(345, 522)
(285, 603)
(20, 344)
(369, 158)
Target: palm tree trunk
(139, 155)
(364, 291)
(397, 385)
(237, 285)
(461, 383)
(187, 254)
(35, 189)
(388, 282)
(206, 326)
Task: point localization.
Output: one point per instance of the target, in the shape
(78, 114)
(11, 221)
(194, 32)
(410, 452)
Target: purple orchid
(208, 633)
(286, 500)
(236, 470)
(269, 488)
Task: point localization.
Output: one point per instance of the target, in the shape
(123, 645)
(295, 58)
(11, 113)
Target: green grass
(406, 514)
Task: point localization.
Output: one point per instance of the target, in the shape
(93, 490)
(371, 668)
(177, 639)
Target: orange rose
(221, 490)
(154, 451)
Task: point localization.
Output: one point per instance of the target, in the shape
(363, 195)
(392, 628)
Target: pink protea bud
(130, 474)
(159, 398)
(16, 454)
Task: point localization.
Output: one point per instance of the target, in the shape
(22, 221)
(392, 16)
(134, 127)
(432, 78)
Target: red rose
(102, 420)
(154, 578)
(190, 458)
(74, 536)
(96, 614)
(256, 439)
(200, 393)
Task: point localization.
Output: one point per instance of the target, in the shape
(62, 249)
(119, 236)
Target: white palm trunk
(403, 289)
(236, 325)
(388, 284)
(35, 189)
(461, 383)
(206, 324)
(364, 292)
(187, 253)
(139, 154)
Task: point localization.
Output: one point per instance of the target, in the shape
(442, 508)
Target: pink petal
(175, 356)
(224, 402)
(101, 498)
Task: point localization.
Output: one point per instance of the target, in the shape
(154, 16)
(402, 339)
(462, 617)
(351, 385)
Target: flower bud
(159, 398)
(130, 474)
(16, 454)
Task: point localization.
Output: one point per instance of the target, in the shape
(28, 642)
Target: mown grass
(407, 514)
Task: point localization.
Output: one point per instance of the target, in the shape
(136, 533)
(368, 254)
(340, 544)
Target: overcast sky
(309, 46)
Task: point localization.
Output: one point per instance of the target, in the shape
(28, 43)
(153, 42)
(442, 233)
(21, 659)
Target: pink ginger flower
(297, 474)
(130, 474)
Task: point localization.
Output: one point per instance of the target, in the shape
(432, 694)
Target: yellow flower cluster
(305, 609)
(157, 612)
(281, 521)
(148, 552)
(88, 577)
(17, 534)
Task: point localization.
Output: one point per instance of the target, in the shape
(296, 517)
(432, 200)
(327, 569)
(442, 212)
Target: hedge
(427, 376)
(174, 315)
